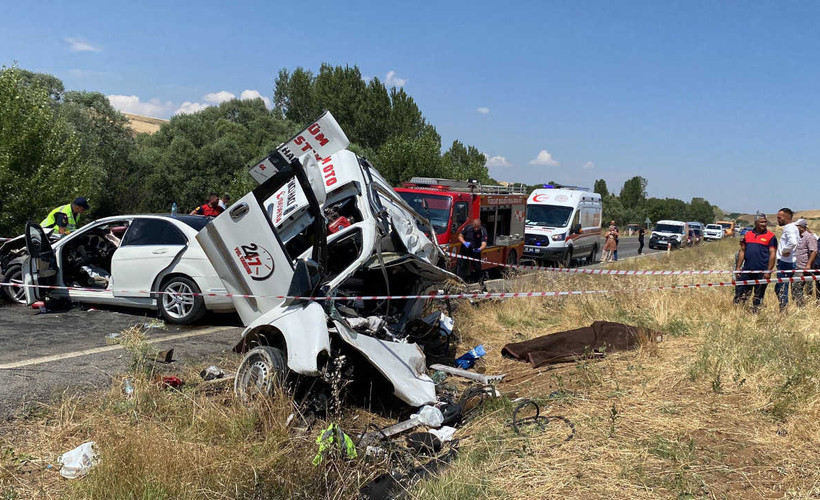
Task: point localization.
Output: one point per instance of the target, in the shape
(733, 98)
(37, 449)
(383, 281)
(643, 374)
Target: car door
(249, 258)
(40, 266)
(149, 246)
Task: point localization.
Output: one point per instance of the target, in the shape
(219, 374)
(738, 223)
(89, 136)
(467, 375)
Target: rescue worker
(65, 219)
(473, 240)
(210, 208)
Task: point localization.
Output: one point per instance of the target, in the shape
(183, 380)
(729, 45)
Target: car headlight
(559, 237)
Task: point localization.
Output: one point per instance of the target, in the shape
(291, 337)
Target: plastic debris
(425, 443)
(155, 323)
(439, 377)
(484, 379)
(444, 434)
(334, 437)
(213, 372)
(77, 462)
(128, 386)
(112, 338)
(171, 381)
(468, 359)
(429, 416)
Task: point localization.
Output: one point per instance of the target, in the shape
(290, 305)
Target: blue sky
(711, 99)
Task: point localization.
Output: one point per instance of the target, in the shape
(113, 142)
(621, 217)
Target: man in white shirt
(786, 246)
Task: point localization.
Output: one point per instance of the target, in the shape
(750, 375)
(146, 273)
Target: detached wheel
(177, 304)
(261, 374)
(16, 294)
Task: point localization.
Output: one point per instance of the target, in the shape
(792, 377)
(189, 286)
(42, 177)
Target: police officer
(473, 240)
(64, 219)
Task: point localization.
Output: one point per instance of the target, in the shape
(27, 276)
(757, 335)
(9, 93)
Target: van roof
(563, 197)
(671, 222)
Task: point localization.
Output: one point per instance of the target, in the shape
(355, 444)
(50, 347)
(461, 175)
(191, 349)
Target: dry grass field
(144, 124)
(726, 405)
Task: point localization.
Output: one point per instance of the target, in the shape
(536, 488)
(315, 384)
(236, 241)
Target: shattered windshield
(548, 215)
(437, 208)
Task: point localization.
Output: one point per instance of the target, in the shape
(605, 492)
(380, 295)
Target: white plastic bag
(430, 416)
(444, 434)
(77, 462)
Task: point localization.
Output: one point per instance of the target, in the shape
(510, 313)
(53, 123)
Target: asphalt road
(628, 247)
(44, 355)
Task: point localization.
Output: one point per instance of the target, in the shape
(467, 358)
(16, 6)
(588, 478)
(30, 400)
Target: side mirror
(576, 229)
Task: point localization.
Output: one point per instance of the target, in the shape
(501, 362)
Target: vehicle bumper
(661, 245)
(544, 253)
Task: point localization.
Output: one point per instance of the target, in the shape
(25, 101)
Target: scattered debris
(424, 443)
(154, 323)
(331, 438)
(589, 342)
(429, 416)
(388, 432)
(541, 421)
(112, 338)
(213, 372)
(171, 381)
(128, 386)
(165, 356)
(478, 377)
(444, 434)
(468, 359)
(77, 462)
(395, 484)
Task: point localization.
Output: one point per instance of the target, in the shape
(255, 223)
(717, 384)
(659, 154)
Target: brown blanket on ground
(591, 341)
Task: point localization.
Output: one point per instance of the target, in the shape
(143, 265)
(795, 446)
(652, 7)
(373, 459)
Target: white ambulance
(562, 225)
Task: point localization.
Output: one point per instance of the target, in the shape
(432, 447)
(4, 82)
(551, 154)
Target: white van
(562, 225)
(667, 232)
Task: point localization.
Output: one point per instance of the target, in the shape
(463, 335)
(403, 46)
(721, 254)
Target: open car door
(247, 250)
(40, 267)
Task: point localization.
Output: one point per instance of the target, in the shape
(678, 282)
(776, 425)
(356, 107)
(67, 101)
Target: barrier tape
(485, 295)
(621, 272)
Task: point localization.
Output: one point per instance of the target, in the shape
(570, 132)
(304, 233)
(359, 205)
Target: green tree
(700, 210)
(403, 157)
(600, 188)
(462, 163)
(106, 145)
(41, 164)
(633, 193)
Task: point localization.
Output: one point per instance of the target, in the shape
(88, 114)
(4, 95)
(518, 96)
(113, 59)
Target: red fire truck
(451, 205)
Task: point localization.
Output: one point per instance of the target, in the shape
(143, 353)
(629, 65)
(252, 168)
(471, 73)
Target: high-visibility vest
(51, 220)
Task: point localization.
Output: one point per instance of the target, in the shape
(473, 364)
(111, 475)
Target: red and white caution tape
(479, 296)
(619, 272)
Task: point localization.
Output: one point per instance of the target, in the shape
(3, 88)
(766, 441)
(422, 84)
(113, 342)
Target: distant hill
(809, 215)
(144, 124)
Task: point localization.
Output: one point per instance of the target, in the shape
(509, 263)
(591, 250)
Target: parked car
(144, 261)
(669, 232)
(713, 232)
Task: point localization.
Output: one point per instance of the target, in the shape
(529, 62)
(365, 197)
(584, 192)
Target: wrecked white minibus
(325, 225)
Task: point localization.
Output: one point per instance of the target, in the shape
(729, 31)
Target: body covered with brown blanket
(591, 341)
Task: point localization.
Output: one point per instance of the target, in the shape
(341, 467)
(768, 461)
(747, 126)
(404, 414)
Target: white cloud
(218, 97)
(254, 94)
(484, 111)
(80, 45)
(391, 80)
(544, 158)
(496, 161)
(189, 107)
(132, 104)
(588, 165)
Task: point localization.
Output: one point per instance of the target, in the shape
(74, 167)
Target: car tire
(177, 307)
(566, 262)
(261, 373)
(16, 295)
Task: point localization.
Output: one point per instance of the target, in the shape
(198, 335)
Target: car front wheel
(13, 293)
(262, 372)
(177, 302)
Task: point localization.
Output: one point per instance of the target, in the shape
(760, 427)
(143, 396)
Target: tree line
(631, 205)
(56, 144)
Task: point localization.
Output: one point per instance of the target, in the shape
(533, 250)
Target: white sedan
(148, 261)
